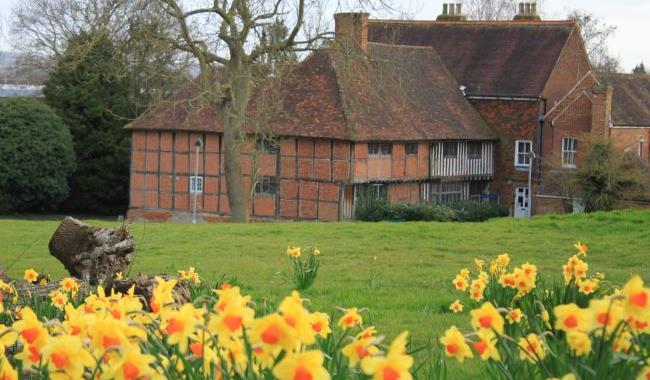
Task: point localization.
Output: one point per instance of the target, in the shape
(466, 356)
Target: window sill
(522, 168)
(569, 167)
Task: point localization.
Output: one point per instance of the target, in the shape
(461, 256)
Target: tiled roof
(630, 99)
(509, 58)
(392, 93)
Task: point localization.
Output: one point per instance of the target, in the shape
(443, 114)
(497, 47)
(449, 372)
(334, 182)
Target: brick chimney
(352, 27)
(452, 12)
(528, 12)
(601, 112)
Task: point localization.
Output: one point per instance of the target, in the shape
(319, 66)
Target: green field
(416, 261)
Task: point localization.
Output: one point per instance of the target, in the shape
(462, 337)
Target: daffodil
(460, 283)
(637, 299)
(320, 323)
(131, 364)
(30, 275)
(307, 365)
(579, 342)
(531, 348)
(514, 316)
(454, 344)
(273, 332)
(487, 318)
(485, 347)
(231, 321)
(456, 307)
(359, 349)
(395, 365)
(572, 318)
(350, 318)
(162, 295)
(7, 372)
(644, 374)
(293, 252)
(582, 248)
(587, 286)
(66, 357)
(180, 325)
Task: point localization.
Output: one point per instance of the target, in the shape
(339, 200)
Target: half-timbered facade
(413, 111)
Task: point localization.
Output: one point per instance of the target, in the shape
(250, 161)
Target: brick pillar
(601, 114)
(352, 27)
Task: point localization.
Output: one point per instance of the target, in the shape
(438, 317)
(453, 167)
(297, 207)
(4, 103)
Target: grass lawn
(416, 261)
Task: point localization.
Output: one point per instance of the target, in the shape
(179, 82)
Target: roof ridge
(402, 46)
(475, 22)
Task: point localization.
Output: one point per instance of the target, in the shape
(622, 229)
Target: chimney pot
(527, 12)
(452, 12)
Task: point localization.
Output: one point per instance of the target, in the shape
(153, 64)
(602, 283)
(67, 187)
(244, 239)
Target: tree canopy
(36, 156)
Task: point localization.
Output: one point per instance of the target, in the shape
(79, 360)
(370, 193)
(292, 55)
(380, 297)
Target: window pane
(412, 149)
(450, 149)
(474, 150)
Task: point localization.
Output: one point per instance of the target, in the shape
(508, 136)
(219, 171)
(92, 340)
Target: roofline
(474, 22)
(527, 98)
(575, 28)
(589, 73)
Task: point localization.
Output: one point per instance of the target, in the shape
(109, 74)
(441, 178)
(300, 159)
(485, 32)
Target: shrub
(36, 156)
(373, 209)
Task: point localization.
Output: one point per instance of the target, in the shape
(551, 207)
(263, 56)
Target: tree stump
(90, 253)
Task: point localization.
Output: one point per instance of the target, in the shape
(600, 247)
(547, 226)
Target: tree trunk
(91, 253)
(233, 113)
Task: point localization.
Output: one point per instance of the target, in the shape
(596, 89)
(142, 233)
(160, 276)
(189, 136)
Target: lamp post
(530, 181)
(198, 144)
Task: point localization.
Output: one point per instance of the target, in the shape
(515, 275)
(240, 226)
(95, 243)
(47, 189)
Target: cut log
(90, 253)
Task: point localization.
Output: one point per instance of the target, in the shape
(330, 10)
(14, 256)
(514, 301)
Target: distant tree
(490, 9)
(596, 35)
(639, 69)
(36, 156)
(88, 90)
(606, 178)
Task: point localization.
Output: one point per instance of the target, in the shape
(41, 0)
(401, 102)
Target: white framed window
(380, 149)
(196, 184)
(569, 152)
(522, 153)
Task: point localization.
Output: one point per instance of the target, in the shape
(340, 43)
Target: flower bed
(582, 328)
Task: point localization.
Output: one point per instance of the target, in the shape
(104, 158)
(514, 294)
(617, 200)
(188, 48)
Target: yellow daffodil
(231, 321)
(582, 248)
(350, 318)
(456, 307)
(7, 372)
(30, 275)
(478, 263)
(572, 318)
(531, 348)
(485, 347)
(272, 331)
(395, 365)
(464, 273)
(130, 365)
(180, 325)
(454, 344)
(476, 290)
(66, 357)
(579, 342)
(162, 295)
(637, 299)
(307, 365)
(293, 252)
(644, 374)
(487, 318)
(460, 283)
(587, 286)
(606, 314)
(58, 299)
(320, 323)
(359, 349)
(514, 316)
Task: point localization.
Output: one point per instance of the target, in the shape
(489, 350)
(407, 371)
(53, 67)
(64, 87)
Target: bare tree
(224, 36)
(596, 34)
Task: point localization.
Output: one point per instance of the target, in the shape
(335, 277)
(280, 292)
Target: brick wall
(512, 120)
(309, 174)
(397, 166)
(628, 138)
(571, 66)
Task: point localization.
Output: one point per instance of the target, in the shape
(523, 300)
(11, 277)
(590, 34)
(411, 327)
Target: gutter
(505, 97)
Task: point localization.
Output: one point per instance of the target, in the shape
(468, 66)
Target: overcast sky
(631, 17)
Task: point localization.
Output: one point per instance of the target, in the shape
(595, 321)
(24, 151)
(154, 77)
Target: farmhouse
(414, 111)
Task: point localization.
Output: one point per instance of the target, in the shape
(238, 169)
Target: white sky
(631, 17)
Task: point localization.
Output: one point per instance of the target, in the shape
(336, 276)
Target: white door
(522, 210)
